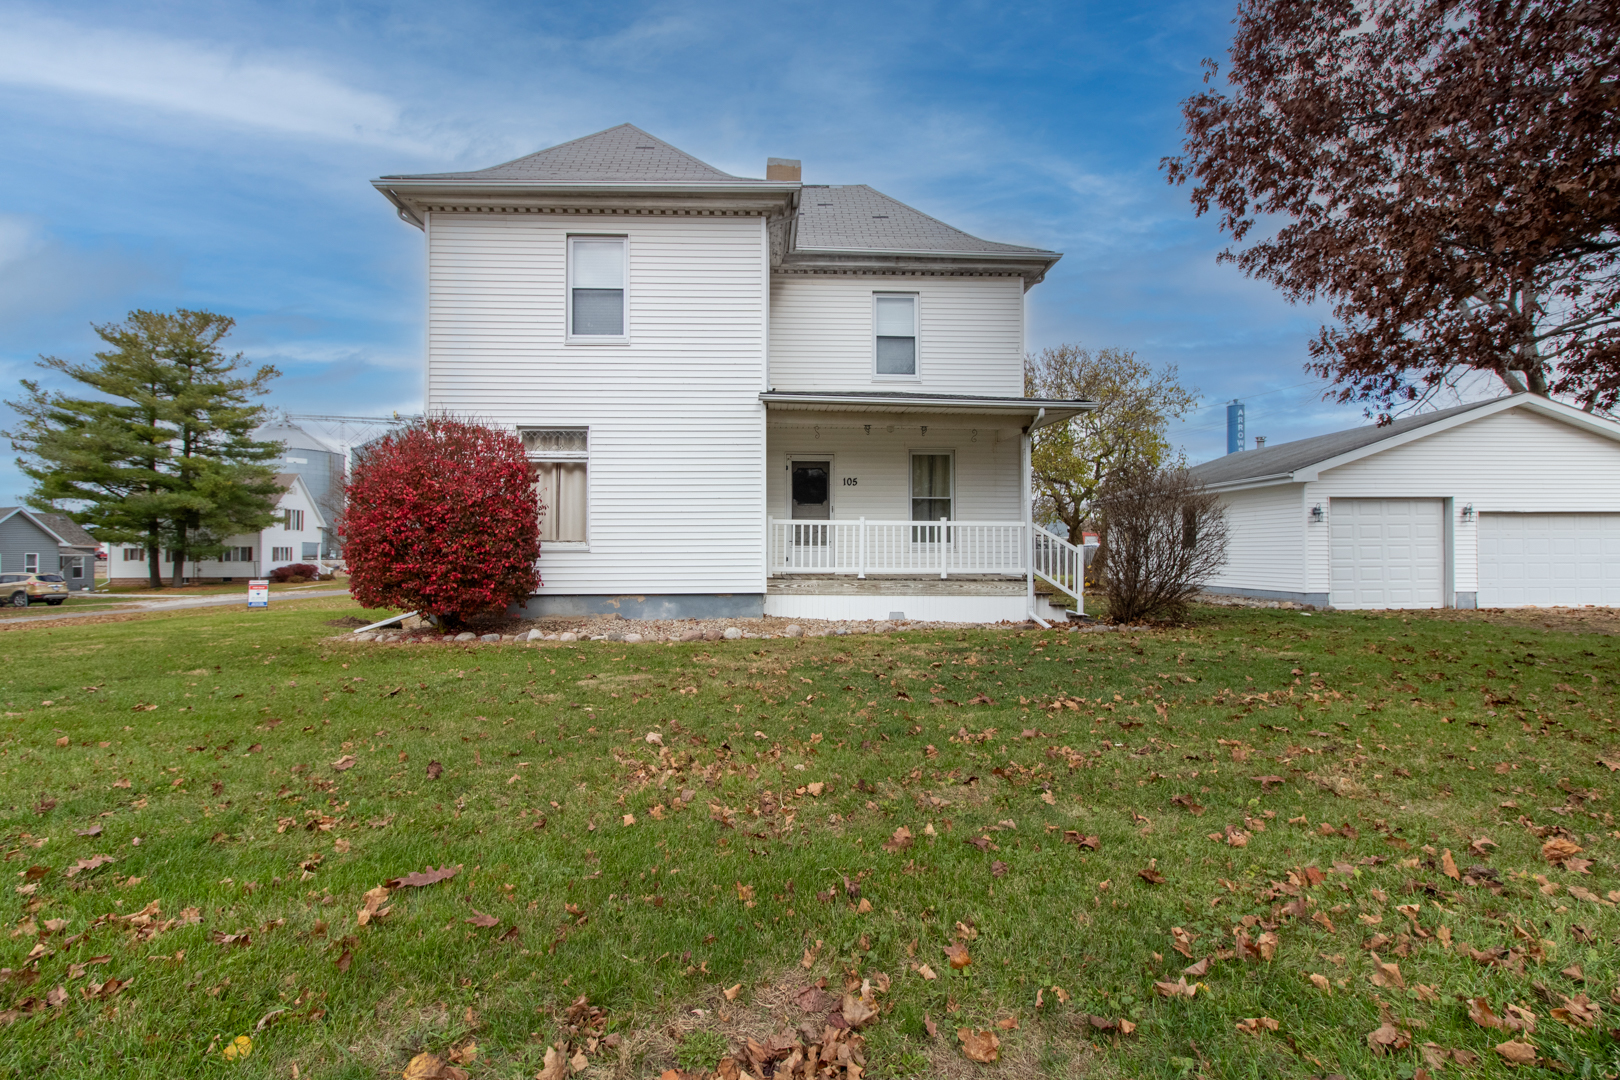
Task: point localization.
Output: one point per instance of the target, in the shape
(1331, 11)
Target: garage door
(1386, 553)
(1543, 560)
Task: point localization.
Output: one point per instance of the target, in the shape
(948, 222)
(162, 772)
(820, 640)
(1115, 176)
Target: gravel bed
(617, 628)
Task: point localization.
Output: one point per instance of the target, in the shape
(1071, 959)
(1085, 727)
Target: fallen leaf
(926, 972)
(345, 763)
(1179, 988)
(556, 1065)
(899, 841)
(1254, 1025)
(373, 909)
(1558, 849)
(478, 918)
(980, 1046)
(1151, 876)
(930, 1027)
(1520, 1053)
(1321, 983)
(87, 864)
(237, 1049)
(654, 738)
(958, 956)
(434, 770)
(1448, 866)
(426, 877)
(1387, 1037)
(998, 868)
(731, 992)
(344, 961)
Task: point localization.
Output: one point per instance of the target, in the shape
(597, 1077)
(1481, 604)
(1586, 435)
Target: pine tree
(163, 456)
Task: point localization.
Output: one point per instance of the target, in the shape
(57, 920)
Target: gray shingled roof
(624, 154)
(854, 217)
(1301, 454)
(68, 529)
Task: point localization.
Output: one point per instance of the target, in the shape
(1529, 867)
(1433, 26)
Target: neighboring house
(745, 396)
(40, 543)
(1513, 502)
(294, 537)
(322, 468)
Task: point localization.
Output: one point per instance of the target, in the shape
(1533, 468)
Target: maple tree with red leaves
(1446, 174)
(442, 518)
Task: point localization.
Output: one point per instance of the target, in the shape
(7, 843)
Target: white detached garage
(1513, 502)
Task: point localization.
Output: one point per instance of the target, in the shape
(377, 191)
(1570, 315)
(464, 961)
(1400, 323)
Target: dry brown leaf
(345, 763)
(731, 992)
(478, 918)
(434, 770)
(1579, 1012)
(980, 1046)
(1558, 849)
(1386, 974)
(556, 1065)
(899, 841)
(857, 1010)
(1520, 1053)
(423, 878)
(1321, 983)
(1179, 988)
(957, 954)
(1387, 1037)
(1448, 866)
(926, 972)
(432, 1067)
(373, 909)
(1254, 1025)
(1151, 875)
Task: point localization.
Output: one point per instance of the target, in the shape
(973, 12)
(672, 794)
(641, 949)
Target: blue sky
(217, 156)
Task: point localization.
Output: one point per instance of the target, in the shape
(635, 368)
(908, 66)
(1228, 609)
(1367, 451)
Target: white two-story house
(743, 396)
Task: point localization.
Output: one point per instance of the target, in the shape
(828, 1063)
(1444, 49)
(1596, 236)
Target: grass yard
(1270, 844)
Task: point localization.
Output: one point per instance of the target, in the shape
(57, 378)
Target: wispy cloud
(229, 85)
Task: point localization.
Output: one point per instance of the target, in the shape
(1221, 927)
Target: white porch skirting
(916, 606)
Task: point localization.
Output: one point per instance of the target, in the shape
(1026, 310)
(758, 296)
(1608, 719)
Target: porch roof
(1056, 411)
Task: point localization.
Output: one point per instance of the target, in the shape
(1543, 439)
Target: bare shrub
(1163, 537)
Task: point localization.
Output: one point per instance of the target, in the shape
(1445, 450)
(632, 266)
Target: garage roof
(1303, 459)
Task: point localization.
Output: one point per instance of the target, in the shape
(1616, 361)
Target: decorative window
(561, 466)
(293, 520)
(597, 311)
(31, 562)
(281, 554)
(894, 333)
(134, 554)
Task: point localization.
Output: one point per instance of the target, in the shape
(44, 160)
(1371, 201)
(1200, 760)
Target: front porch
(909, 506)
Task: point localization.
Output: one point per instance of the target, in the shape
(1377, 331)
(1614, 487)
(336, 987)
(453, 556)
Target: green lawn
(251, 782)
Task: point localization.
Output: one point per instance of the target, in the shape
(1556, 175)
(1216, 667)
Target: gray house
(38, 543)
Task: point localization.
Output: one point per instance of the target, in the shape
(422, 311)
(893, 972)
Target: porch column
(1026, 498)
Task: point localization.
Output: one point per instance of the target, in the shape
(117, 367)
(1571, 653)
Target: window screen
(596, 278)
(930, 487)
(896, 325)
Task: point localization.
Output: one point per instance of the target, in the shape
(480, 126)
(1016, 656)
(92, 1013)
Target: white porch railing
(862, 547)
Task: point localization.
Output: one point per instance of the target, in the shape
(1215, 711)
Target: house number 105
(851, 481)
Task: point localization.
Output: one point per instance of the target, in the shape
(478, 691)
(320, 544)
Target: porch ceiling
(1056, 410)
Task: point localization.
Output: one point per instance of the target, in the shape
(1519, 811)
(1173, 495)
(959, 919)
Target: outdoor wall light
(1317, 513)
(1468, 512)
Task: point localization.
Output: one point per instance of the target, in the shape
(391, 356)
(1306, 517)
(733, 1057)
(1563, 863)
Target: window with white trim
(561, 467)
(31, 562)
(894, 335)
(293, 520)
(237, 554)
(281, 554)
(597, 270)
(134, 554)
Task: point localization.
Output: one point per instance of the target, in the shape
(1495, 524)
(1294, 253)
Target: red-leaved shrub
(303, 571)
(442, 518)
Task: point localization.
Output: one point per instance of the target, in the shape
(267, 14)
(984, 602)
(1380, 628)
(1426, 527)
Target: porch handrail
(864, 546)
(1059, 563)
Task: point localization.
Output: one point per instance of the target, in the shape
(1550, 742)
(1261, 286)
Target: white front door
(1387, 553)
(1543, 560)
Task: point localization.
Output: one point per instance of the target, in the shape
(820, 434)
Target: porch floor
(897, 585)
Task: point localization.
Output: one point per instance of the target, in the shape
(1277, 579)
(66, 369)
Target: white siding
(970, 337)
(677, 433)
(1265, 540)
(985, 461)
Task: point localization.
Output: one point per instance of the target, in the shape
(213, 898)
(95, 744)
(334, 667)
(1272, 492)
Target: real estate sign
(258, 593)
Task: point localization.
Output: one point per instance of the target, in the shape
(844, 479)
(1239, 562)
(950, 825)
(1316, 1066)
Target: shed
(1510, 502)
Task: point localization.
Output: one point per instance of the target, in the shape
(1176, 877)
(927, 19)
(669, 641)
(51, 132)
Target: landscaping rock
(712, 635)
(732, 633)
(364, 637)
(567, 636)
(690, 635)
(536, 635)
(632, 639)
(466, 635)
(613, 635)
(489, 637)
(793, 630)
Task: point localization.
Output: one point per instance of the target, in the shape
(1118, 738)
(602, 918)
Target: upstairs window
(293, 520)
(894, 323)
(596, 292)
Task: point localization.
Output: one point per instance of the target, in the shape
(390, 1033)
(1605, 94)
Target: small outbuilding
(1512, 502)
(35, 542)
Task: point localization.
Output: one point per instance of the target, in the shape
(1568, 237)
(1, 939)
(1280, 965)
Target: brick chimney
(781, 168)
